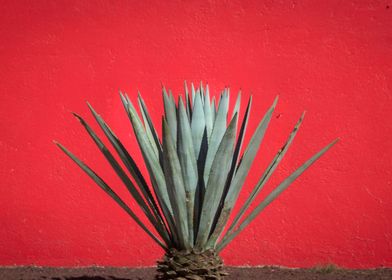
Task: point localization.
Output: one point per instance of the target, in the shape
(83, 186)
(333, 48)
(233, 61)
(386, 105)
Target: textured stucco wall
(331, 58)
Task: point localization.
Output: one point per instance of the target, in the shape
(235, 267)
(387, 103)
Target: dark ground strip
(267, 273)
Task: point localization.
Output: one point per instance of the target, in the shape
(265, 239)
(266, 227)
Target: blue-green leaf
(216, 183)
(240, 174)
(188, 102)
(198, 124)
(193, 94)
(268, 172)
(150, 130)
(135, 172)
(175, 186)
(237, 105)
(118, 169)
(217, 134)
(170, 114)
(101, 183)
(208, 114)
(188, 163)
(152, 163)
(274, 194)
(248, 157)
(224, 209)
(213, 109)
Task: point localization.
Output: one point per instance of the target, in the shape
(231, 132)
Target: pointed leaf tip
(334, 142)
(78, 117)
(92, 109)
(275, 101)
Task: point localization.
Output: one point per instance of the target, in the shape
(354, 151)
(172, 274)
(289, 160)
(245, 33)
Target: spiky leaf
(188, 163)
(242, 171)
(267, 174)
(150, 130)
(272, 196)
(170, 114)
(198, 124)
(217, 134)
(101, 183)
(152, 162)
(216, 182)
(135, 172)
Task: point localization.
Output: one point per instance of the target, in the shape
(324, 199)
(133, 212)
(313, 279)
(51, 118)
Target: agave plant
(197, 170)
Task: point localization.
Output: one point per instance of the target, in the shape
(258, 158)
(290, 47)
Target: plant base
(182, 265)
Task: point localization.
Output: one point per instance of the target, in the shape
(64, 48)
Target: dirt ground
(267, 273)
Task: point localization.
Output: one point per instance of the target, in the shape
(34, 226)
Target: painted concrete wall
(331, 58)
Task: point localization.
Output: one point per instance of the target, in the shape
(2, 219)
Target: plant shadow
(91, 278)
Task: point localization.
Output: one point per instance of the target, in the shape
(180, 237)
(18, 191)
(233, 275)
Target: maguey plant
(196, 170)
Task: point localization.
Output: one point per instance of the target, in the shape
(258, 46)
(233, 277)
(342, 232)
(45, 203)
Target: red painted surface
(331, 58)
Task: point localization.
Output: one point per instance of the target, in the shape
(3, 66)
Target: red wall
(331, 58)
